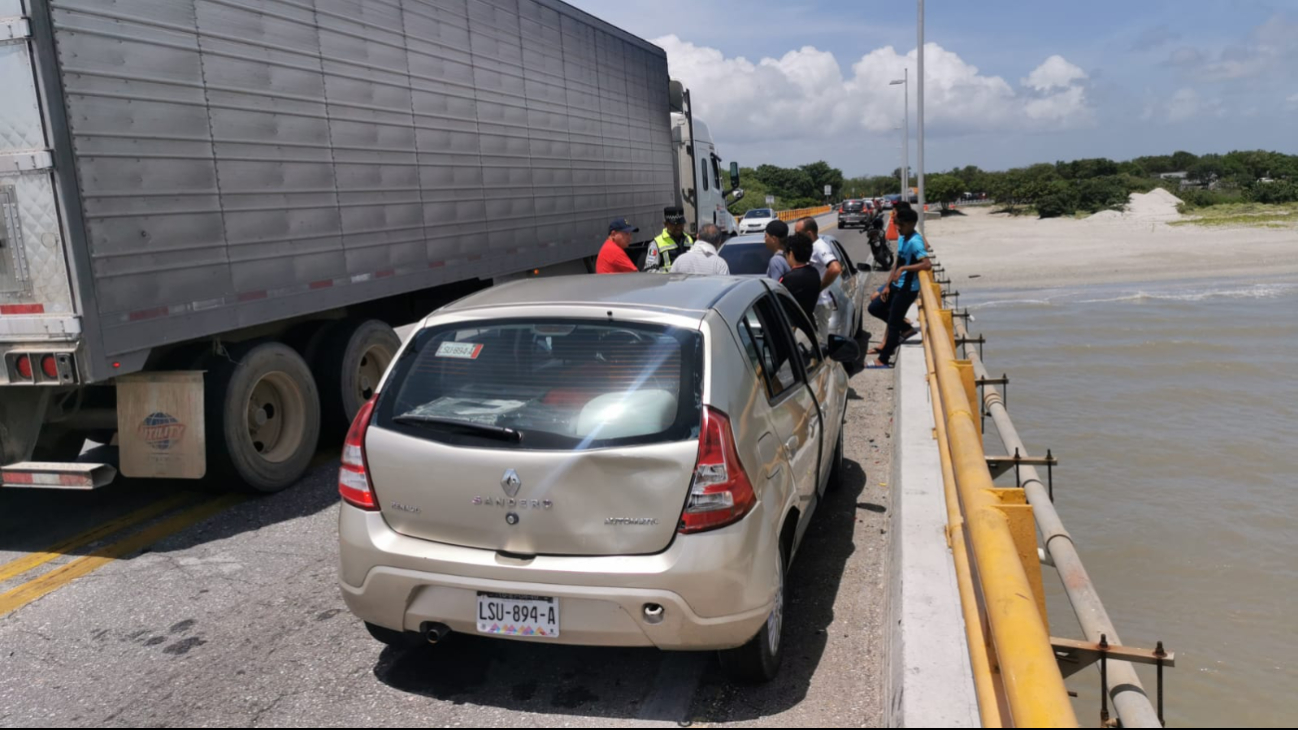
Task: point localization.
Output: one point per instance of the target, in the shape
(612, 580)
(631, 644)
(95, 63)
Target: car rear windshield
(746, 258)
(552, 384)
(853, 206)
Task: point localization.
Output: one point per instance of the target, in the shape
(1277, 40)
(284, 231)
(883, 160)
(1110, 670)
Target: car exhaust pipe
(653, 613)
(434, 633)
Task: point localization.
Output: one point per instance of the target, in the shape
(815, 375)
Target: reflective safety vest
(662, 251)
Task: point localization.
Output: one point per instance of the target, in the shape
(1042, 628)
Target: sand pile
(1156, 206)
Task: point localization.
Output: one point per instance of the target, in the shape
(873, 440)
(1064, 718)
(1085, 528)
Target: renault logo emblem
(511, 483)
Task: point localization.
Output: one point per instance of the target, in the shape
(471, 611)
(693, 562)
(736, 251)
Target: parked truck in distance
(211, 214)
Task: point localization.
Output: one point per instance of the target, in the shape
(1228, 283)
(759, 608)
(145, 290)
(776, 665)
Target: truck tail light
(24, 366)
(354, 474)
(721, 493)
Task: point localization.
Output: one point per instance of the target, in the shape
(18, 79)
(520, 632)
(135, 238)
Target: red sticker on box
(459, 350)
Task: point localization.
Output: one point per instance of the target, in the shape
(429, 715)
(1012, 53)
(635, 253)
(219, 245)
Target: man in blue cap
(612, 257)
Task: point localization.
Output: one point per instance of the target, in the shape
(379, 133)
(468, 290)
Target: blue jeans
(901, 302)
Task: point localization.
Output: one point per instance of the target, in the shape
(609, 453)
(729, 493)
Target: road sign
(770, 200)
(829, 190)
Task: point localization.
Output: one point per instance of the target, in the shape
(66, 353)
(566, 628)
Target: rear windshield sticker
(459, 350)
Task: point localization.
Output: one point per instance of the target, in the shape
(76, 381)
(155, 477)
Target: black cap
(674, 214)
(779, 229)
(620, 224)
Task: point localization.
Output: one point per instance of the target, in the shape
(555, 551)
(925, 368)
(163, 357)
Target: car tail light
(721, 493)
(354, 474)
(24, 366)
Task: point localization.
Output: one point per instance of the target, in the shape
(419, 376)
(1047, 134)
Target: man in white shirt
(826, 262)
(702, 258)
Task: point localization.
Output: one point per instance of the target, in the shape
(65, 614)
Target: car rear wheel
(758, 661)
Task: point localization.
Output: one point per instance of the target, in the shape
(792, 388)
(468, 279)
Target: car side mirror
(843, 350)
(864, 268)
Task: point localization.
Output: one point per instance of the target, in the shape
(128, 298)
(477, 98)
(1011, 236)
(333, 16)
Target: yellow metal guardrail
(993, 539)
(788, 215)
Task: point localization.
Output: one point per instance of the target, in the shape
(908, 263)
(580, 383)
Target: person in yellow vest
(670, 244)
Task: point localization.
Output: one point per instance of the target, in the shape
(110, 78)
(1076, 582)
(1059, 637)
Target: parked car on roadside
(748, 256)
(756, 220)
(609, 461)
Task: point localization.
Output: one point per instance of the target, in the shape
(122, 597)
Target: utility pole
(921, 117)
(905, 135)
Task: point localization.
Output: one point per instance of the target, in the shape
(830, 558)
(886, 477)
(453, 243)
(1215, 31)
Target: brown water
(1174, 411)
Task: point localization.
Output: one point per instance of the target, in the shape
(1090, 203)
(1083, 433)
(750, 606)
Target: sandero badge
(161, 431)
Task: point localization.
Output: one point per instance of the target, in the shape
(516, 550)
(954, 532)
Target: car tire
(394, 639)
(758, 661)
(272, 384)
(836, 466)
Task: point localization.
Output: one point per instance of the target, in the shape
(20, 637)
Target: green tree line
(1062, 188)
(793, 187)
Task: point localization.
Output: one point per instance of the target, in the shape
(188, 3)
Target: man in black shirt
(802, 281)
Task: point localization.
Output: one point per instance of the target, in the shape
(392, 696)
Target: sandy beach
(986, 250)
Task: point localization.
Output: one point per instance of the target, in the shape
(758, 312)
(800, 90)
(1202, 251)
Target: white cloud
(1055, 73)
(1183, 105)
(806, 95)
(1270, 50)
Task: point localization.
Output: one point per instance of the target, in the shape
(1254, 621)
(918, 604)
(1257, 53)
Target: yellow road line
(64, 574)
(58, 550)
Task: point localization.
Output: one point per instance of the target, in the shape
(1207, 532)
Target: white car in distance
(756, 220)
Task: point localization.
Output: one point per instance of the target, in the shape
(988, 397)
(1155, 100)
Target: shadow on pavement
(39, 519)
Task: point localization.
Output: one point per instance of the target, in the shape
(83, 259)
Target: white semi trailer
(211, 211)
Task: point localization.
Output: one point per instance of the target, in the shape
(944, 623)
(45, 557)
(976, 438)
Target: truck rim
(374, 362)
(275, 417)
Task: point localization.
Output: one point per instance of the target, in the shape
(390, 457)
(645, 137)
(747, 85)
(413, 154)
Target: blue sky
(1009, 83)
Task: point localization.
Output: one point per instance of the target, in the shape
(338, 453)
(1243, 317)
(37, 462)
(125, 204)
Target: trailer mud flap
(160, 425)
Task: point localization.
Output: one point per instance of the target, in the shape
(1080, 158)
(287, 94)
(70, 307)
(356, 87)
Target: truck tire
(348, 360)
(263, 416)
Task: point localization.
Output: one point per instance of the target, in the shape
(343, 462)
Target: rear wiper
(480, 429)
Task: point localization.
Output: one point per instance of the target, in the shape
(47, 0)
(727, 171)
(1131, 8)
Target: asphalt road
(148, 604)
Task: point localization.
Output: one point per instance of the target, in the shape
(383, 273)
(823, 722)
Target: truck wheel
(263, 416)
(348, 360)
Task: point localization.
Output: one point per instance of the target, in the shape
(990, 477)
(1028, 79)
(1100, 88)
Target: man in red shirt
(612, 257)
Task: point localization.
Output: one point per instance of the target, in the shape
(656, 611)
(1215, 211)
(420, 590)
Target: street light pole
(905, 134)
(920, 109)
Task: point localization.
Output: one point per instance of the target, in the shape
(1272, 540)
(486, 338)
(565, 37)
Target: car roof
(669, 292)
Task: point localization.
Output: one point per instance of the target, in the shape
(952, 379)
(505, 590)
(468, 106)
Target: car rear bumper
(715, 588)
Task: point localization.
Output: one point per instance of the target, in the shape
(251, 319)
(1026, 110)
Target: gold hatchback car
(603, 460)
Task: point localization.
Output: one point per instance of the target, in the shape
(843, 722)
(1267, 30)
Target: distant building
(1174, 175)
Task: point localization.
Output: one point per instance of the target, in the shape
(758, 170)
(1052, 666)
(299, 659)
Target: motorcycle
(879, 244)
